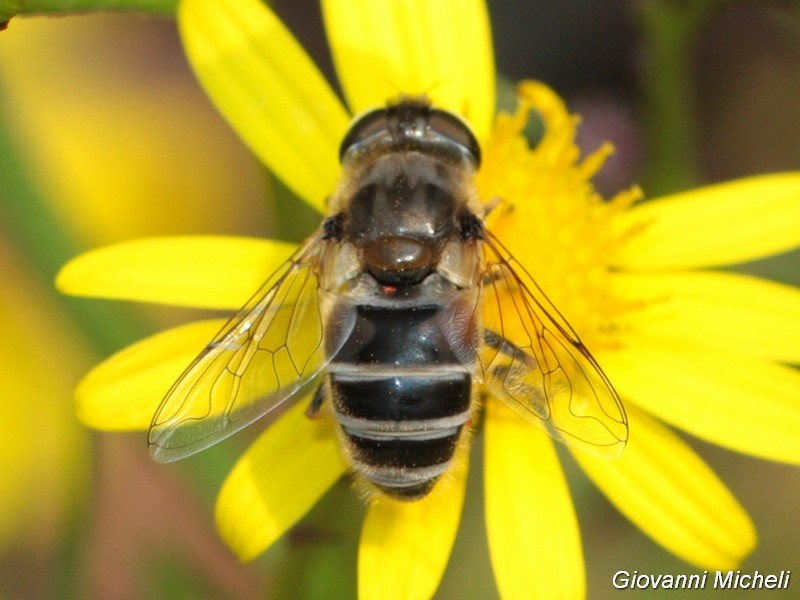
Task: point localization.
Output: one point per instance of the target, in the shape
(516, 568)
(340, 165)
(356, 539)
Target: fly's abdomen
(401, 398)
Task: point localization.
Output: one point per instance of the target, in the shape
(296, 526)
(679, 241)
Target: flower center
(549, 214)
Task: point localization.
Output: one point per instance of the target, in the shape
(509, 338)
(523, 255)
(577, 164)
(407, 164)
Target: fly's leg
(503, 346)
(312, 412)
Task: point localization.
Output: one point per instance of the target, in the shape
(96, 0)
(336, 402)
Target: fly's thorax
(407, 188)
(399, 211)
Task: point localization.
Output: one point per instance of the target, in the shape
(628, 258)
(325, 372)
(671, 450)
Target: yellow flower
(44, 477)
(112, 159)
(696, 348)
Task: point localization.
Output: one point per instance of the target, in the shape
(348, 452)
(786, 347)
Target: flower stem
(11, 8)
(669, 29)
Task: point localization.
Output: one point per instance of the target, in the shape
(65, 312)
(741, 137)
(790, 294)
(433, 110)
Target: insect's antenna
(463, 110)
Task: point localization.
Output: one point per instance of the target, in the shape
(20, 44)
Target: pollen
(548, 213)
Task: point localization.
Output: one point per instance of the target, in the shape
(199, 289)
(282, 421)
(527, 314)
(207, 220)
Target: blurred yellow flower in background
(116, 151)
(44, 453)
(99, 139)
(695, 348)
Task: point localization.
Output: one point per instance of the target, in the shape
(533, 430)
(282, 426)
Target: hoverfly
(405, 300)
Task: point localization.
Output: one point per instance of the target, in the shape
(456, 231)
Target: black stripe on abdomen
(409, 397)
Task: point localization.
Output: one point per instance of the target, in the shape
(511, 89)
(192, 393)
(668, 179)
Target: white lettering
(755, 580)
(697, 581)
(621, 579)
(635, 580)
(722, 584)
(722, 580)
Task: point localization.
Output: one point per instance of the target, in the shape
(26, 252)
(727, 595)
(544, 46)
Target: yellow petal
(277, 480)
(716, 225)
(405, 546)
(746, 404)
(267, 87)
(661, 485)
(533, 533)
(124, 391)
(721, 310)
(442, 48)
(199, 271)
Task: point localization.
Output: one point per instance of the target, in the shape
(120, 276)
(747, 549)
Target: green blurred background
(106, 136)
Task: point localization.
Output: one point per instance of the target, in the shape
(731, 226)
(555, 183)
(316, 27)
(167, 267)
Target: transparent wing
(531, 358)
(272, 347)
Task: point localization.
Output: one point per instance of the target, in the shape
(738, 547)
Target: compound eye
(454, 129)
(412, 123)
(363, 128)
